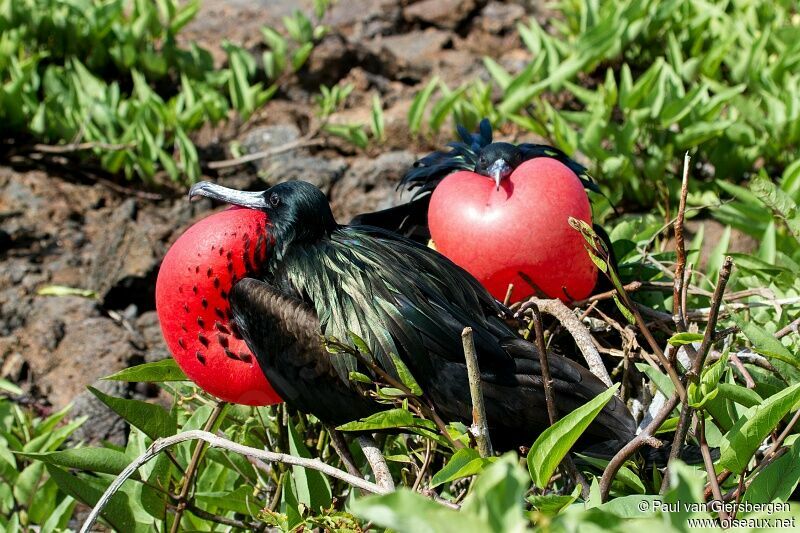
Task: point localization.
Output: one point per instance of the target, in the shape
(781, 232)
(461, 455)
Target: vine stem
(219, 442)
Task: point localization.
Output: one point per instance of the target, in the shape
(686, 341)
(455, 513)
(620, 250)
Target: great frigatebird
(475, 152)
(325, 280)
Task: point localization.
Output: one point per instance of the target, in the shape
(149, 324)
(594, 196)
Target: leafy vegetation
(631, 85)
(639, 82)
(111, 78)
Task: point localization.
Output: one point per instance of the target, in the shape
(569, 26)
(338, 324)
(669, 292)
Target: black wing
(398, 296)
(284, 334)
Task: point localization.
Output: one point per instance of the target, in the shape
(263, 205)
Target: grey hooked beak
(499, 170)
(251, 199)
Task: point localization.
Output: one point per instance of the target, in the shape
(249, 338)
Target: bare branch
(377, 462)
(194, 464)
(709, 464)
(547, 384)
(680, 249)
(340, 447)
(737, 364)
(693, 375)
(547, 381)
(480, 426)
(306, 140)
(425, 463)
(633, 286)
(507, 298)
(791, 327)
(225, 444)
(578, 331)
(80, 147)
(645, 437)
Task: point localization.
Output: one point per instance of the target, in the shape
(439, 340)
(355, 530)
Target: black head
(498, 160)
(298, 211)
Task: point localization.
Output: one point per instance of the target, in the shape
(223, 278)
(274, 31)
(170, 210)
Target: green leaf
(186, 12)
(61, 290)
(766, 344)
(361, 378)
(739, 444)
(152, 419)
(313, 488)
(9, 387)
(679, 339)
(392, 418)
(408, 512)
(289, 503)
(117, 511)
(164, 370)
(497, 495)
(552, 504)
(465, 462)
(240, 500)
(554, 443)
(737, 393)
(418, 105)
(60, 517)
(777, 481)
(377, 118)
(707, 390)
(443, 107)
(300, 57)
(102, 460)
(497, 72)
(406, 378)
(625, 475)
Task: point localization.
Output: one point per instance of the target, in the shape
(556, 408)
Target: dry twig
(194, 464)
(578, 331)
(680, 249)
(218, 442)
(547, 384)
(377, 462)
(709, 464)
(627, 451)
(693, 374)
(480, 425)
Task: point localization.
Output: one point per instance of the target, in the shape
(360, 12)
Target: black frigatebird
(325, 280)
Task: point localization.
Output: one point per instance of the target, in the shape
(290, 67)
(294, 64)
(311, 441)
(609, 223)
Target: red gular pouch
(192, 291)
(519, 233)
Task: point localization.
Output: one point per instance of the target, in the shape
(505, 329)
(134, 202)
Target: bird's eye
(274, 199)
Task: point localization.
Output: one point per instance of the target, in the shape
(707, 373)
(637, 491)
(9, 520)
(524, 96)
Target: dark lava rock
(369, 184)
(335, 57)
(293, 164)
(500, 17)
(125, 260)
(447, 14)
(150, 329)
(102, 424)
(68, 345)
(364, 19)
(414, 54)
